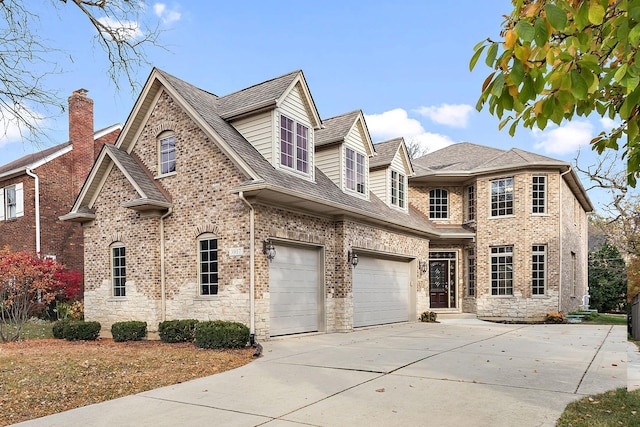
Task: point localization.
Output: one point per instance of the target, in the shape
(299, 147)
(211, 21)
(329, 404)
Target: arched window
(167, 152)
(438, 204)
(118, 269)
(208, 264)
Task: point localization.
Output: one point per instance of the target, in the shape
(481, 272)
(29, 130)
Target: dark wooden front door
(438, 283)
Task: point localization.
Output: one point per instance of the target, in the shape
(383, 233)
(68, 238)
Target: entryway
(442, 279)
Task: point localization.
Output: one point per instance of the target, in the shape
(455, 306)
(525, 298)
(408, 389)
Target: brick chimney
(81, 136)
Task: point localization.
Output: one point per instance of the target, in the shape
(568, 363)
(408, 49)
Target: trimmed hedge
(133, 330)
(58, 328)
(221, 334)
(172, 331)
(80, 330)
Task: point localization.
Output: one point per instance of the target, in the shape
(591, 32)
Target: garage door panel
(293, 290)
(380, 292)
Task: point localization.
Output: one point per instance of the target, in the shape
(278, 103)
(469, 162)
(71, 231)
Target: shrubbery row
(210, 334)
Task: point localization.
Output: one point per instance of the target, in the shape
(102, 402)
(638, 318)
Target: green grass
(613, 408)
(31, 330)
(605, 319)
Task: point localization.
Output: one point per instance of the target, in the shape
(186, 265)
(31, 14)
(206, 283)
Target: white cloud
(124, 29)
(608, 124)
(564, 139)
(12, 129)
(446, 114)
(397, 123)
(167, 16)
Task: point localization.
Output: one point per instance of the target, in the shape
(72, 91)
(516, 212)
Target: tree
(562, 58)
(607, 279)
(26, 58)
(27, 285)
(415, 149)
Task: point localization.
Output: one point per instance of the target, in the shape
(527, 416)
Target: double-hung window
(502, 197)
(355, 167)
(11, 202)
(438, 204)
(167, 154)
(294, 145)
(398, 192)
(502, 270)
(118, 270)
(538, 269)
(539, 194)
(471, 203)
(208, 264)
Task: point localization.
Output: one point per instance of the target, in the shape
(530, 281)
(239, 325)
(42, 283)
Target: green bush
(80, 330)
(58, 328)
(428, 316)
(221, 334)
(133, 330)
(177, 330)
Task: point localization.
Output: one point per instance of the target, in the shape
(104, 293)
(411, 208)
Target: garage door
(293, 290)
(380, 291)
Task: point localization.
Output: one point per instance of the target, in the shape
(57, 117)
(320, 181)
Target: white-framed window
(294, 145)
(538, 269)
(11, 202)
(471, 272)
(355, 167)
(502, 197)
(471, 203)
(167, 153)
(502, 270)
(438, 204)
(398, 189)
(118, 269)
(208, 264)
(539, 194)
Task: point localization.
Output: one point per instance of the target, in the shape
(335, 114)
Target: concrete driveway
(458, 372)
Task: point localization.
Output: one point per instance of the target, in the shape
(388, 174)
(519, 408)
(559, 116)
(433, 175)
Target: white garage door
(380, 291)
(293, 290)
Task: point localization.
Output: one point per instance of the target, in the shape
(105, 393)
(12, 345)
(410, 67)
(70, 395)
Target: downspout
(37, 207)
(252, 301)
(560, 238)
(163, 287)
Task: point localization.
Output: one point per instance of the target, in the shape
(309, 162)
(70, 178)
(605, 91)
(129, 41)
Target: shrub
(171, 331)
(221, 334)
(555, 318)
(80, 330)
(428, 316)
(133, 330)
(58, 328)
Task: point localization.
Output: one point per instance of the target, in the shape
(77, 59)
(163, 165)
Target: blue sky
(404, 63)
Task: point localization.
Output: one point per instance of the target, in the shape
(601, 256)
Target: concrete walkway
(459, 373)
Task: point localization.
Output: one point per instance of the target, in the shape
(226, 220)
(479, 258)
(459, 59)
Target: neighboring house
(250, 207)
(37, 188)
(528, 212)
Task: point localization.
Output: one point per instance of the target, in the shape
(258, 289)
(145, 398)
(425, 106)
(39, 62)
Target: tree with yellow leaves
(561, 58)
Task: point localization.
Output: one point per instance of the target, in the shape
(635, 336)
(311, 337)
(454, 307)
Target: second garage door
(380, 291)
(294, 289)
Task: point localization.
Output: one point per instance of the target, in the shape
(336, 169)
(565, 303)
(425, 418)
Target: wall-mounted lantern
(269, 250)
(422, 266)
(352, 257)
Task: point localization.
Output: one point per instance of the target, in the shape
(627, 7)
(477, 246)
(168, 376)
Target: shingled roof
(30, 160)
(335, 129)
(386, 151)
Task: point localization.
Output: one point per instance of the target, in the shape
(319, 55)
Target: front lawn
(613, 408)
(44, 376)
(605, 319)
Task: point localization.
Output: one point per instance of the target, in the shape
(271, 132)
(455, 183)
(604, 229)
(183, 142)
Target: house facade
(250, 207)
(37, 188)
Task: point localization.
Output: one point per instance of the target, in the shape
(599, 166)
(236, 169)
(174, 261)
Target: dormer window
(355, 166)
(167, 150)
(294, 145)
(398, 192)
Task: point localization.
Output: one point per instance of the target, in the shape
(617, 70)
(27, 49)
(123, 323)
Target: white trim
(38, 163)
(106, 131)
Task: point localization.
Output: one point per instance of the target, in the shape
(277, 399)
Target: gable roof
(263, 180)
(34, 160)
(336, 129)
(464, 160)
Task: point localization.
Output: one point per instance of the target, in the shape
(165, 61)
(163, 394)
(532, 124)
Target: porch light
(422, 266)
(352, 257)
(269, 250)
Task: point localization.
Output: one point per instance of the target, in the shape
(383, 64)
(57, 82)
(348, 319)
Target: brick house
(37, 188)
(250, 207)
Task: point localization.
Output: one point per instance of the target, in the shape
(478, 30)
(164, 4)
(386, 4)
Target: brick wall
(81, 135)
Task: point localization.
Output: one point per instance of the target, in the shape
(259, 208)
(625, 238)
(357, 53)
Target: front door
(438, 284)
(442, 279)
